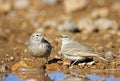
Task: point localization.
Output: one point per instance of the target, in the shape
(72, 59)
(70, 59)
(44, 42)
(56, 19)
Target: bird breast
(38, 50)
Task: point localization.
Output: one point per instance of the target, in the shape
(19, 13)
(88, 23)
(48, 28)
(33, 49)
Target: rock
(109, 44)
(5, 6)
(74, 5)
(76, 78)
(50, 23)
(100, 2)
(31, 80)
(41, 29)
(4, 68)
(81, 64)
(104, 24)
(20, 64)
(101, 12)
(12, 58)
(50, 2)
(110, 54)
(116, 6)
(66, 62)
(90, 63)
(68, 26)
(21, 4)
(107, 36)
(52, 67)
(86, 24)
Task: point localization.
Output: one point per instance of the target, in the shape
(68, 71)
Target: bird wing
(47, 43)
(75, 52)
(78, 52)
(78, 49)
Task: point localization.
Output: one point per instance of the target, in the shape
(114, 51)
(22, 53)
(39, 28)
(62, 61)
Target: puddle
(60, 76)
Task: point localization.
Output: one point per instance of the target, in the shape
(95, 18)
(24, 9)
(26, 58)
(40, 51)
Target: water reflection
(55, 76)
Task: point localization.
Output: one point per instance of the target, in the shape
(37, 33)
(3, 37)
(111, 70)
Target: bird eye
(66, 37)
(37, 35)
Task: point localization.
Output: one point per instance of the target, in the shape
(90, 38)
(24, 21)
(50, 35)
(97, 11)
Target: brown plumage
(38, 46)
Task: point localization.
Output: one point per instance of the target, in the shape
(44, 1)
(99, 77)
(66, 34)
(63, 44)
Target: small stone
(90, 63)
(84, 37)
(102, 12)
(52, 67)
(76, 5)
(50, 2)
(81, 64)
(31, 80)
(110, 54)
(25, 50)
(100, 48)
(100, 2)
(118, 33)
(41, 29)
(5, 6)
(105, 24)
(22, 63)
(50, 23)
(12, 58)
(107, 36)
(21, 4)
(109, 45)
(68, 26)
(116, 6)
(4, 68)
(86, 24)
(66, 62)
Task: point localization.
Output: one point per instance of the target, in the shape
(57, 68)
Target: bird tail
(102, 58)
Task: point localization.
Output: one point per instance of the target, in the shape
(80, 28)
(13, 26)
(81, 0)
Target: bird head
(37, 36)
(66, 38)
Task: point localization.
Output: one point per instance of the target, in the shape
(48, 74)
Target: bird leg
(74, 62)
(47, 60)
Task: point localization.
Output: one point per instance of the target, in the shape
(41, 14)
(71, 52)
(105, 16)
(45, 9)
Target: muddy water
(41, 75)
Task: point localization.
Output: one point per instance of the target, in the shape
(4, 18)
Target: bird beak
(60, 36)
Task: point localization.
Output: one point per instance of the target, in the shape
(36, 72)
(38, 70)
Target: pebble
(50, 23)
(76, 5)
(90, 63)
(75, 78)
(111, 54)
(107, 36)
(86, 24)
(109, 45)
(5, 6)
(50, 2)
(68, 26)
(4, 68)
(12, 58)
(40, 29)
(81, 64)
(100, 2)
(101, 12)
(66, 63)
(21, 4)
(104, 24)
(31, 80)
(116, 6)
